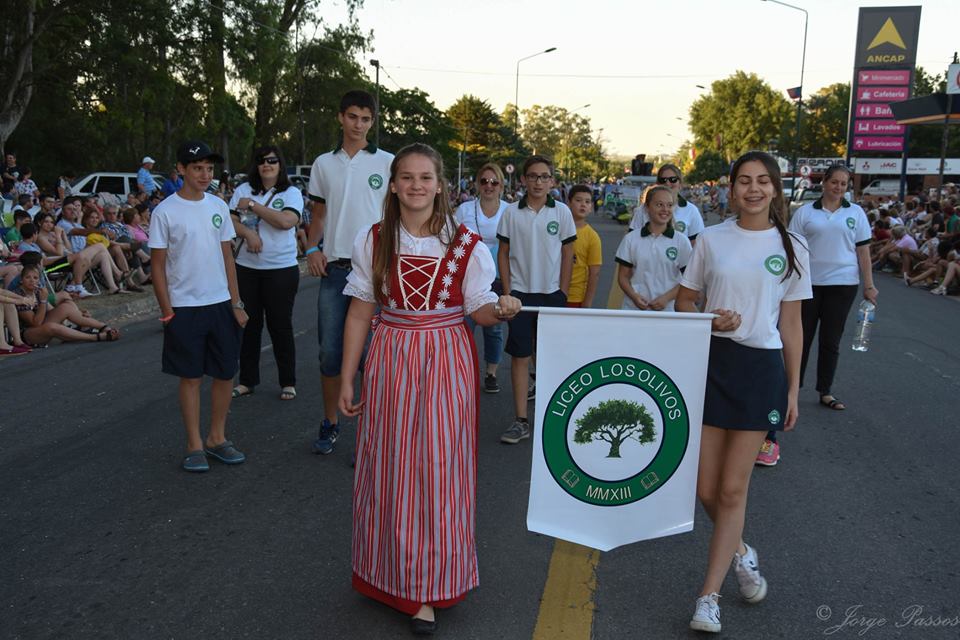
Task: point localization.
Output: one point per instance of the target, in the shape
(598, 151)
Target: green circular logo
(277, 204)
(375, 181)
(680, 226)
(774, 417)
(553, 228)
(851, 223)
(672, 253)
(776, 264)
(615, 431)
(217, 220)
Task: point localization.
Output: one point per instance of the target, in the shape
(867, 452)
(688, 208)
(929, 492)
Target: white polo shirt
(743, 271)
(353, 190)
(279, 245)
(192, 232)
(686, 218)
(833, 238)
(535, 239)
(657, 262)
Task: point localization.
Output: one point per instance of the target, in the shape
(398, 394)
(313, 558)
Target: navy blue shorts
(746, 387)
(202, 341)
(523, 326)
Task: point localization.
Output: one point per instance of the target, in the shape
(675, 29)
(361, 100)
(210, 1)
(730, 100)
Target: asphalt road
(102, 535)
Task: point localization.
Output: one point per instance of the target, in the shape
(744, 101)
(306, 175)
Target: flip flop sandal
(834, 403)
(242, 390)
(288, 393)
(195, 461)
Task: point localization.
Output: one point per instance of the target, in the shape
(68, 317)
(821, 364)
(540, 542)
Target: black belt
(342, 262)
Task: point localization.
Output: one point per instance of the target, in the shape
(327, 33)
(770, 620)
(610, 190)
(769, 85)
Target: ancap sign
(887, 37)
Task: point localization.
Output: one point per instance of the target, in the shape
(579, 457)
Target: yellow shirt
(586, 253)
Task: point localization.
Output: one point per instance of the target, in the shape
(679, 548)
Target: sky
(636, 63)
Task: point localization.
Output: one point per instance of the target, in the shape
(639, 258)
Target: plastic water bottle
(865, 318)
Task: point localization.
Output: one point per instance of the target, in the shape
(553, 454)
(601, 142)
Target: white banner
(617, 428)
(915, 166)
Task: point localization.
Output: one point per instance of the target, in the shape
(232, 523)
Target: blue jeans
(492, 341)
(332, 308)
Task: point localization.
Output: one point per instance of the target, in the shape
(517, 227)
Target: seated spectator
(953, 221)
(927, 256)
(91, 221)
(25, 186)
(12, 237)
(900, 250)
(951, 272)
(65, 184)
(55, 242)
(172, 184)
(120, 235)
(48, 205)
(40, 326)
(9, 322)
(133, 223)
(8, 268)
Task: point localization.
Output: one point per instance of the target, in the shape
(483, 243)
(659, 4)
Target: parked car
(882, 188)
(803, 196)
(117, 184)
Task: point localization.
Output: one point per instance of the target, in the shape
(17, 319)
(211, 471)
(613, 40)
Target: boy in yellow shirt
(587, 252)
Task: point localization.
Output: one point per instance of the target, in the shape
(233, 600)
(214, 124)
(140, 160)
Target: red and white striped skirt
(415, 485)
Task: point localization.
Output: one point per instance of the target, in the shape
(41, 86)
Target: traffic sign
(805, 170)
(953, 79)
(508, 168)
(805, 184)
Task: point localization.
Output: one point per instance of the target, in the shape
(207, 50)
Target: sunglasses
(272, 160)
(490, 181)
(670, 179)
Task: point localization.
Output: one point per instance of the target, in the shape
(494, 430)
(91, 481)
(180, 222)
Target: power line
(570, 75)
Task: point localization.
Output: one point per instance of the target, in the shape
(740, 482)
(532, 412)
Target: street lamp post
(376, 138)
(516, 90)
(803, 63)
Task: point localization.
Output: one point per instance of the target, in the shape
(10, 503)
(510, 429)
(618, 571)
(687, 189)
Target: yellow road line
(566, 610)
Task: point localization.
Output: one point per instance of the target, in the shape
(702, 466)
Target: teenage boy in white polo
(535, 261)
(195, 282)
(686, 216)
(347, 189)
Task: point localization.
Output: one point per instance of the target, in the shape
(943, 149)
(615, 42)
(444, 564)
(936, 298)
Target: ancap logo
(888, 34)
(776, 264)
(375, 181)
(851, 223)
(654, 385)
(217, 220)
(553, 228)
(672, 253)
(774, 417)
(680, 226)
(277, 204)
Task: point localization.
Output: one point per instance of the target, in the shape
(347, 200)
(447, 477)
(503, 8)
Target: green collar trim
(681, 201)
(645, 230)
(550, 202)
(818, 203)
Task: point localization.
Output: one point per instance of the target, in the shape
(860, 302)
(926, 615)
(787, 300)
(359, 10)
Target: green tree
(708, 165)
(480, 132)
(824, 123)
(615, 422)
(740, 113)
(408, 116)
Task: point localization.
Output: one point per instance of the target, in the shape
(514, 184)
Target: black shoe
(421, 627)
(490, 384)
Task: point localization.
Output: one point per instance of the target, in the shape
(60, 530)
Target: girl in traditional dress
(414, 544)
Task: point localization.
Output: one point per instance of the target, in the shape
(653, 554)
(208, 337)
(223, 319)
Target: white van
(882, 188)
(117, 184)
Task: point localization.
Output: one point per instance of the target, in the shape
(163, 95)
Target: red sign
(872, 111)
(880, 76)
(872, 143)
(879, 127)
(882, 94)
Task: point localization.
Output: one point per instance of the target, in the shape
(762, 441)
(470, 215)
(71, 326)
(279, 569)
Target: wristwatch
(239, 305)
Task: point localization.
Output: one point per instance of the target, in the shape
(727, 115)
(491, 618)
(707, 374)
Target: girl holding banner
(414, 497)
(753, 274)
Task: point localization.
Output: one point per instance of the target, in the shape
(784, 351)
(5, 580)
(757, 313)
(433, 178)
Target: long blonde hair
(385, 250)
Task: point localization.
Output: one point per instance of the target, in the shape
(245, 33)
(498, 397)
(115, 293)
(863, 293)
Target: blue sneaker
(328, 435)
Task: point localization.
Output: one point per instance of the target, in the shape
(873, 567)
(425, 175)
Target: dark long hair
(384, 254)
(778, 208)
(253, 172)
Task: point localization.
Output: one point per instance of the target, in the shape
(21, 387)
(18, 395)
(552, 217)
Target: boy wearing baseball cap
(195, 282)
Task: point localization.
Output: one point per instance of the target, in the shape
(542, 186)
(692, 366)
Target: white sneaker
(939, 291)
(707, 616)
(753, 586)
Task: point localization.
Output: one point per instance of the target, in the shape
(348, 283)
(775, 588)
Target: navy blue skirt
(746, 387)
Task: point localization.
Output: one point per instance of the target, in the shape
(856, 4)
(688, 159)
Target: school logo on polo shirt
(553, 227)
(375, 181)
(680, 226)
(217, 220)
(851, 223)
(672, 253)
(615, 431)
(776, 264)
(277, 204)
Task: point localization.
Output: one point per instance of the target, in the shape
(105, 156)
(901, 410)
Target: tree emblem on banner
(615, 422)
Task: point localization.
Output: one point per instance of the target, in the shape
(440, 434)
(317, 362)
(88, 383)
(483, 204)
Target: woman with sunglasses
(265, 211)
(686, 217)
(482, 215)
